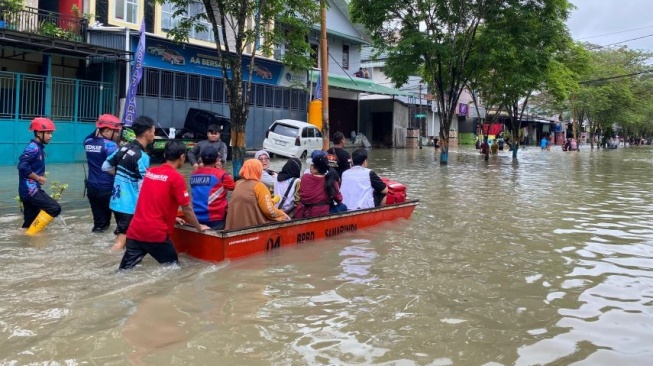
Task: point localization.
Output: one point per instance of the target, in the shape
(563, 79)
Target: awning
(358, 84)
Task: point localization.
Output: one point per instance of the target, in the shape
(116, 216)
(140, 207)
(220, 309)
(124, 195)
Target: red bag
(396, 191)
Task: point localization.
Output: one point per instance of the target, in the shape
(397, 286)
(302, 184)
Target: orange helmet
(41, 124)
(108, 121)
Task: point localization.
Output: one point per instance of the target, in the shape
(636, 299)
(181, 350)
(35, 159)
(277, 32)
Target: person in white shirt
(269, 176)
(362, 187)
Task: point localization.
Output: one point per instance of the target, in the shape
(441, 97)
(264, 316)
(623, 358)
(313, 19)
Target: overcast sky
(605, 22)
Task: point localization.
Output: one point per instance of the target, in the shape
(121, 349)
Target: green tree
(529, 40)
(615, 92)
(249, 28)
(433, 38)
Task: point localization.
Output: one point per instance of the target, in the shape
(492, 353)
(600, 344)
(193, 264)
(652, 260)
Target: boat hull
(216, 246)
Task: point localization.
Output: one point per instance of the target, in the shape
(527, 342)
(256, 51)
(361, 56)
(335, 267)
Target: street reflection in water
(548, 260)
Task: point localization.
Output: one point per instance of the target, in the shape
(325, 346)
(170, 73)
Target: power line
(615, 77)
(628, 40)
(609, 34)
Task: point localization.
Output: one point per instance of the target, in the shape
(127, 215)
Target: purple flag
(137, 72)
(318, 87)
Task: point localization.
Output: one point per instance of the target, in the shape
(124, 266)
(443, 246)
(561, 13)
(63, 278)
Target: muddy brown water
(547, 261)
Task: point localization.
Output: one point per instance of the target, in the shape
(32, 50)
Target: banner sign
(462, 109)
(137, 72)
(163, 54)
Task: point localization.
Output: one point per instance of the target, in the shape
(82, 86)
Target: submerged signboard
(163, 54)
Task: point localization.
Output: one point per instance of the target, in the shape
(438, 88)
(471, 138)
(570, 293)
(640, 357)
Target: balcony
(44, 23)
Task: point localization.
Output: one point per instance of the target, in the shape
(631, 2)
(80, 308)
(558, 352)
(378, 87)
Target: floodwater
(548, 261)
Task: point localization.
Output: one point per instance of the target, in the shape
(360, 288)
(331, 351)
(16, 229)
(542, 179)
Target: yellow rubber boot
(40, 222)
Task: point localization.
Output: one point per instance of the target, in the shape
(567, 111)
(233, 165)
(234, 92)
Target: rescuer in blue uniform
(99, 145)
(31, 174)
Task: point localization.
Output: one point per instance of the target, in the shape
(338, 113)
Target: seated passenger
(361, 187)
(309, 161)
(287, 186)
(209, 185)
(251, 203)
(319, 192)
(268, 176)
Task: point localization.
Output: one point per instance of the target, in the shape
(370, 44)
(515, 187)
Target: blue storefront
(178, 77)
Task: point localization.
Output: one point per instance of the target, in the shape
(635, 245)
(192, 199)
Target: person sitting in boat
(287, 186)
(362, 187)
(268, 176)
(251, 203)
(309, 161)
(209, 185)
(319, 192)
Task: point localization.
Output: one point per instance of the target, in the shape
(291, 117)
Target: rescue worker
(31, 174)
(129, 164)
(99, 145)
(209, 185)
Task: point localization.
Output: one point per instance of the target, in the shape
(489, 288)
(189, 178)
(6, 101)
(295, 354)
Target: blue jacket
(98, 149)
(131, 163)
(32, 160)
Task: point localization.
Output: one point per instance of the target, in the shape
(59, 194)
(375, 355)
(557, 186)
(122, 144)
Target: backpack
(396, 191)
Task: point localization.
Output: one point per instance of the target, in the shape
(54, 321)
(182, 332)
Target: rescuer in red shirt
(162, 192)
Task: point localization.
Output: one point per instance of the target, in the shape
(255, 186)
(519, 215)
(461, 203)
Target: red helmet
(108, 121)
(41, 124)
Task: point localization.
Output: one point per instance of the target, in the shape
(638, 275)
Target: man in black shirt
(342, 159)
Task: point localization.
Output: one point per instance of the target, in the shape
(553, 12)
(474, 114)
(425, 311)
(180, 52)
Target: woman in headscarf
(269, 176)
(251, 203)
(287, 185)
(320, 192)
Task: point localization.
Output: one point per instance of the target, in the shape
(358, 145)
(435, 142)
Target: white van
(291, 138)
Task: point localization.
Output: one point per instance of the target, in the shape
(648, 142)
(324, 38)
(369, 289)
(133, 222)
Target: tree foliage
(504, 45)
(616, 92)
(248, 28)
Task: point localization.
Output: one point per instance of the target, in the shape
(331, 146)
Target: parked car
(173, 57)
(291, 138)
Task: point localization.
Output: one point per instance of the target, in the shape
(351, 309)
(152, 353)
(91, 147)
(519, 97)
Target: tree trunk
(515, 145)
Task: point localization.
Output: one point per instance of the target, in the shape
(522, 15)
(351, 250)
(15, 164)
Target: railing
(25, 96)
(44, 23)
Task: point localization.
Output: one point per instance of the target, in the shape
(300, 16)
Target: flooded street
(544, 261)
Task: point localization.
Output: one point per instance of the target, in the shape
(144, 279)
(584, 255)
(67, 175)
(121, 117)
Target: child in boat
(251, 203)
(287, 186)
(320, 192)
(209, 185)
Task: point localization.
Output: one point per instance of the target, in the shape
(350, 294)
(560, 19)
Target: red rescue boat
(216, 246)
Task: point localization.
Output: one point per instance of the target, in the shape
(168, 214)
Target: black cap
(209, 153)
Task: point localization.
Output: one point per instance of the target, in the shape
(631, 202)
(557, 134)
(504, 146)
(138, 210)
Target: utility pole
(421, 121)
(324, 65)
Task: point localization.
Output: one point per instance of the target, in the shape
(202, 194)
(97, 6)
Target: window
(284, 130)
(126, 10)
(317, 133)
(314, 54)
(168, 21)
(345, 57)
